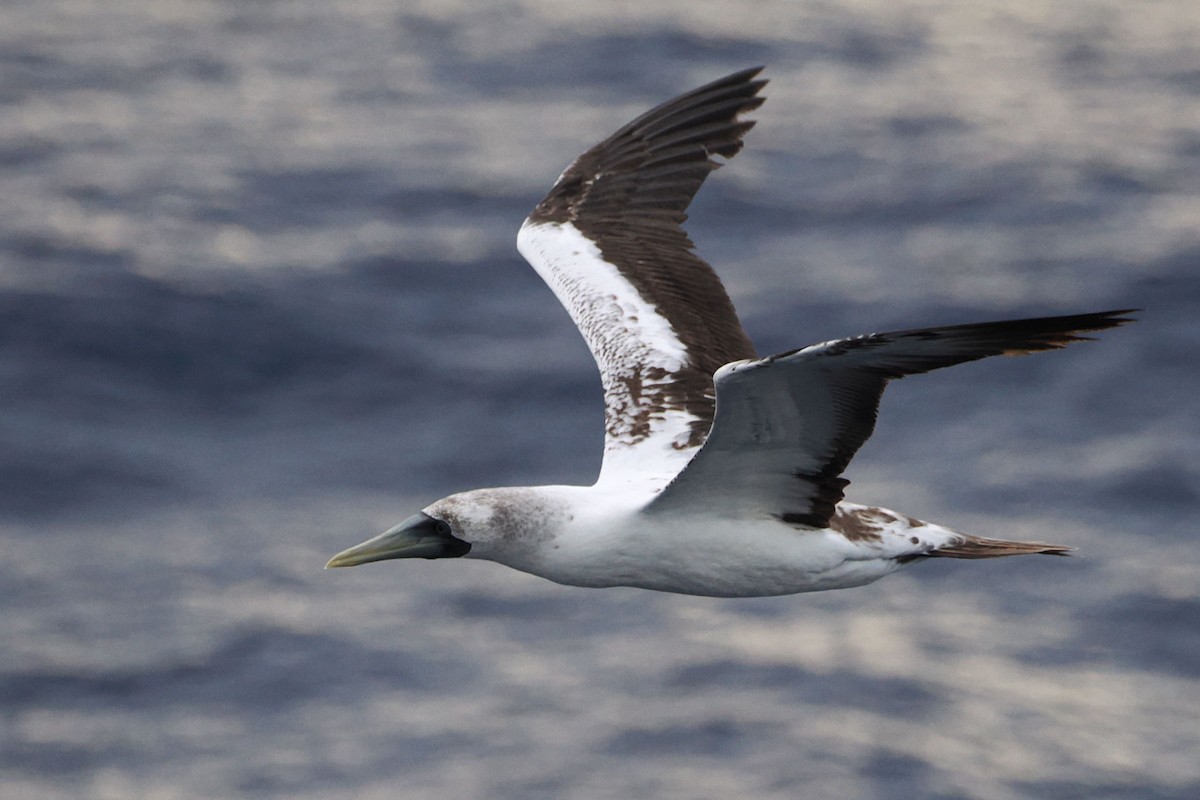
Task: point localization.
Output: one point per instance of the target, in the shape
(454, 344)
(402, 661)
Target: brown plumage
(982, 547)
(629, 195)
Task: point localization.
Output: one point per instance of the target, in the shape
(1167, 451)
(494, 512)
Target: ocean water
(259, 300)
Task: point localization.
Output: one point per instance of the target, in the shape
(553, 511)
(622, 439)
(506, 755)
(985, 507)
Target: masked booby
(722, 471)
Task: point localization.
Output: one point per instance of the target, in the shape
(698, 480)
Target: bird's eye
(442, 528)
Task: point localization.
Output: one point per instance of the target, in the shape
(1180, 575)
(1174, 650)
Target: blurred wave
(260, 299)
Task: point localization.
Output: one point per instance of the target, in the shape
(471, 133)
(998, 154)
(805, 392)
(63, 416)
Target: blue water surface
(259, 300)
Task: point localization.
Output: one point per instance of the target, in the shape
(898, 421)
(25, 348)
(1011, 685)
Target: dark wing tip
(706, 116)
(931, 348)
(664, 153)
(1052, 333)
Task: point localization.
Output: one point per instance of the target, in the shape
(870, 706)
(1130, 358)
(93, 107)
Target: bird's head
(485, 523)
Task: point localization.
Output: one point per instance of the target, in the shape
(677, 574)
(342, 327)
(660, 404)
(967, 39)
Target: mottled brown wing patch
(861, 524)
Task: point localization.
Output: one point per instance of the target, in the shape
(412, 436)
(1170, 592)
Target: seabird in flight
(722, 470)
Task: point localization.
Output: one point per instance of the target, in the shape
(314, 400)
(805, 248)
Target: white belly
(718, 558)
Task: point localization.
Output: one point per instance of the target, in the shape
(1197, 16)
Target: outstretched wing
(787, 426)
(609, 241)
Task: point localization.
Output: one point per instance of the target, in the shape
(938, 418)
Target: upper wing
(609, 242)
(786, 426)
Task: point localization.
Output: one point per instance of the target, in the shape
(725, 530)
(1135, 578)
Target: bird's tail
(964, 545)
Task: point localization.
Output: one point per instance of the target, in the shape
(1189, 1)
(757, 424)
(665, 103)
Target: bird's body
(722, 470)
(597, 536)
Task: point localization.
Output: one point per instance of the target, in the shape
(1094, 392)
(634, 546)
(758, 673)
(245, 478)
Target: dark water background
(259, 300)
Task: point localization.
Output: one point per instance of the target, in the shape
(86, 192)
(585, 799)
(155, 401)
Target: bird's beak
(416, 537)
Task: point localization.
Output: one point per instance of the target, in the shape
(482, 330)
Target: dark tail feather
(981, 547)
